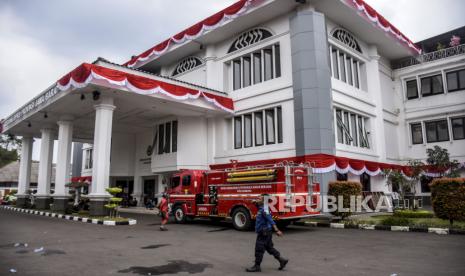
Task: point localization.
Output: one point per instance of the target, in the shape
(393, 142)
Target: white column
(374, 87)
(24, 179)
(211, 68)
(45, 162)
(102, 148)
(137, 191)
(65, 137)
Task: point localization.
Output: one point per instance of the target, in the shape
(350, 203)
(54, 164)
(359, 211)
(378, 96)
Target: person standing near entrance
(264, 226)
(163, 207)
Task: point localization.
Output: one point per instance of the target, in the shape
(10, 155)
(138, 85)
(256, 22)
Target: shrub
(346, 189)
(413, 214)
(395, 221)
(448, 198)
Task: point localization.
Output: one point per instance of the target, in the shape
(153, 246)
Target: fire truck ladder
(288, 178)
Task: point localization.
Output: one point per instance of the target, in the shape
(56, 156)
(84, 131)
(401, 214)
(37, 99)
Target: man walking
(163, 207)
(264, 226)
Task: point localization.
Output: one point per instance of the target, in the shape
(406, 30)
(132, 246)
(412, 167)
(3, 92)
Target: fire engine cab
(230, 193)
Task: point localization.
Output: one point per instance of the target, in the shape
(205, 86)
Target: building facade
(260, 80)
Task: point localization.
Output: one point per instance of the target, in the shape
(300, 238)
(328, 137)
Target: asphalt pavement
(60, 247)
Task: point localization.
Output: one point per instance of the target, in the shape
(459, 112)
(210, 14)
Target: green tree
(396, 179)
(9, 149)
(416, 171)
(439, 159)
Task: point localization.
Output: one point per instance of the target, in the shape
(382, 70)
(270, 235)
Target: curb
(69, 217)
(434, 230)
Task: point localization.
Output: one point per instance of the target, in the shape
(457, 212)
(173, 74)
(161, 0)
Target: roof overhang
(213, 29)
(371, 27)
(139, 96)
(363, 20)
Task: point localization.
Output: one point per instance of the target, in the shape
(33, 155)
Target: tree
(9, 149)
(439, 159)
(405, 184)
(397, 181)
(416, 171)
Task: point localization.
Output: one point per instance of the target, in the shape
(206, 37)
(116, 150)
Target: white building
(263, 79)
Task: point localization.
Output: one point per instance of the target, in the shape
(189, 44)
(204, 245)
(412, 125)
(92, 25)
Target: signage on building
(33, 106)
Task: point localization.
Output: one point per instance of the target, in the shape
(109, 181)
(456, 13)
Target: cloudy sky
(40, 40)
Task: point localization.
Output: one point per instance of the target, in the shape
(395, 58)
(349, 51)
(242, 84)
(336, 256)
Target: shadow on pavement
(173, 267)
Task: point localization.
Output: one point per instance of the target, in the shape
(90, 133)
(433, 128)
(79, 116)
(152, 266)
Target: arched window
(187, 64)
(248, 38)
(347, 38)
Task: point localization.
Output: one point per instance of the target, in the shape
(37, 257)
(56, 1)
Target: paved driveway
(73, 248)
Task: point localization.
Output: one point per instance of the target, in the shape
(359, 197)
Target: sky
(41, 40)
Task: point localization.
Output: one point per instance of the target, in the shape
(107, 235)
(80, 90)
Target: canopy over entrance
(139, 97)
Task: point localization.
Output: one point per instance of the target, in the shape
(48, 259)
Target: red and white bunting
(373, 16)
(208, 24)
(86, 73)
(325, 163)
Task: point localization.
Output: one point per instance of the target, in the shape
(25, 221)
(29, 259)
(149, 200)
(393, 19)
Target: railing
(428, 57)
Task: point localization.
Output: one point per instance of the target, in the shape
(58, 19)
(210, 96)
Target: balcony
(428, 57)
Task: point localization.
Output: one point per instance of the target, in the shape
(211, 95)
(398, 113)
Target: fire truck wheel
(179, 215)
(241, 219)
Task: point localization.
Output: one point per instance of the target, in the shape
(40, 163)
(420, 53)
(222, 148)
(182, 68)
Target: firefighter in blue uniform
(264, 226)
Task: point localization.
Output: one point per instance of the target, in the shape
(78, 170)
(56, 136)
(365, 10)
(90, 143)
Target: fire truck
(231, 193)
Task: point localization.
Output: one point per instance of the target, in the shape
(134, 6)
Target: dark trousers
(265, 243)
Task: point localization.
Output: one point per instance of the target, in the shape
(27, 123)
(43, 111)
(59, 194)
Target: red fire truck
(230, 193)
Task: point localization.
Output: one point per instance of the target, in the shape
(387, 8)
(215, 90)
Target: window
(431, 85)
(412, 89)
(161, 139)
(341, 177)
(186, 64)
(262, 65)
(425, 181)
(349, 70)
(186, 180)
(437, 131)
(175, 181)
(268, 64)
(279, 116)
(417, 133)
(342, 66)
(247, 74)
(258, 128)
(168, 137)
(248, 130)
(237, 74)
(175, 136)
(277, 60)
(257, 68)
(356, 75)
(334, 66)
(456, 80)
(353, 124)
(351, 129)
(248, 38)
(345, 67)
(458, 128)
(89, 158)
(365, 180)
(238, 132)
(269, 126)
(167, 147)
(347, 38)
(347, 137)
(340, 127)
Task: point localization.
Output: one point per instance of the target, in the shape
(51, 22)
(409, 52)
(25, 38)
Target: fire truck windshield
(175, 181)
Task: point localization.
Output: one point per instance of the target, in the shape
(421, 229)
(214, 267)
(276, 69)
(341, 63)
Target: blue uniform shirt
(264, 221)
